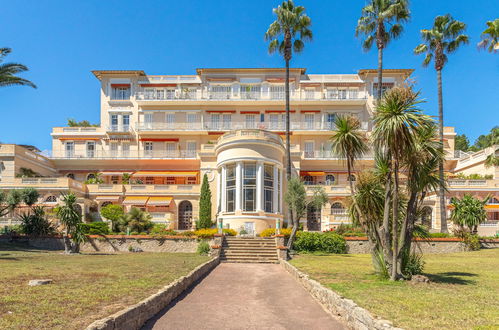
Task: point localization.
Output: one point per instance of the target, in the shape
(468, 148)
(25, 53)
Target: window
(386, 86)
(215, 121)
(69, 148)
(171, 149)
(191, 149)
(114, 123)
(277, 121)
(332, 93)
(148, 120)
(148, 149)
(268, 188)
(170, 120)
(277, 92)
(170, 94)
(342, 94)
(250, 121)
(329, 120)
(227, 119)
(170, 180)
(192, 180)
(279, 191)
(308, 180)
(309, 120)
(220, 92)
(51, 199)
(249, 187)
(230, 187)
(149, 180)
(309, 149)
(120, 93)
(91, 149)
(351, 177)
(115, 179)
(113, 147)
(330, 179)
(90, 176)
(125, 149)
(353, 94)
(126, 123)
(337, 208)
(193, 121)
(70, 175)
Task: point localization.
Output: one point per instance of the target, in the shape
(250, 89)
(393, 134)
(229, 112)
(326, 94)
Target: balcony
(162, 189)
(331, 189)
(169, 96)
(328, 154)
(45, 183)
(462, 183)
(176, 126)
(105, 188)
(140, 154)
(119, 129)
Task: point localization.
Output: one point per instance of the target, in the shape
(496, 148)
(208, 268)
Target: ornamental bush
(269, 232)
(229, 232)
(328, 242)
(203, 248)
(95, 228)
(206, 233)
(204, 205)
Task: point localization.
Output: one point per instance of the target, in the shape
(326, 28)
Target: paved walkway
(245, 296)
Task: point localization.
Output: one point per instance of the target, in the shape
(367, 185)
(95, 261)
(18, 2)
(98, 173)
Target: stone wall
(451, 245)
(356, 317)
(134, 317)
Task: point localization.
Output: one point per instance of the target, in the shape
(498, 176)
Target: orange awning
(159, 201)
(79, 138)
(492, 207)
(108, 198)
(314, 173)
(135, 200)
(164, 173)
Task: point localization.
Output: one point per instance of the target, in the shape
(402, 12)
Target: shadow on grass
(452, 278)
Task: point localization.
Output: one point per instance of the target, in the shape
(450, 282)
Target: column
(239, 181)
(280, 191)
(259, 186)
(275, 208)
(223, 189)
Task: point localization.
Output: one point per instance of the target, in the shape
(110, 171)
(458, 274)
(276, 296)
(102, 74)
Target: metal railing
(143, 154)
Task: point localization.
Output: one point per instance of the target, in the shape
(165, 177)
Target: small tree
(113, 213)
(137, 220)
(70, 218)
(9, 201)
(205, 205)
(469, 212)
(295, 198)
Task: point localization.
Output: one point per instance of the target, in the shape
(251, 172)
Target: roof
(405, 72)
(100, 73)
(247, 70)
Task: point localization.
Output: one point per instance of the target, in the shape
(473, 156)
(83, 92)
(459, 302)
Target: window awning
(314, 173)
(164, 173)
(114, 173)
(492, 207)
(159, 201)
(135, 200)
(108, 198)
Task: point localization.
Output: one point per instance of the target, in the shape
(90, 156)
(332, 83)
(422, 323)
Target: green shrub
(269, 232)
(412, 264)
(206, 233)
(95, 228)
(329, 242)
(36, 223)
(134, 233)
(229, 232)
(440, 235)
(187, 233)
(472, 242)
(162, 230)
(11, 230)
(203, 248)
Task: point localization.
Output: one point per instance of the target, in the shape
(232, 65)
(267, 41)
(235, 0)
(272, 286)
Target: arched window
(106, 203)
(494, 200)
(337, 208)
(330, 179)
(426, 216)
(70, 175)
(308, 180)
(90, 176)
(352, 178)
(51, 199)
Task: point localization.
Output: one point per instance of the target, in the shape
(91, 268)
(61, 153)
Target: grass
(463, 293)
(86, 287)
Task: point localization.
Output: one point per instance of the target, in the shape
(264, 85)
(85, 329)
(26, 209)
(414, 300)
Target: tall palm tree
(8, 72)
(349, 142)
(490, 37)
(444, 38)
(396, 120)
(381, 22)
(287, 34)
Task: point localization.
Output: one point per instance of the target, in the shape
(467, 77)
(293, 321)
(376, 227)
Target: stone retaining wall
(356, 317)
(432, 246)
(134, 317)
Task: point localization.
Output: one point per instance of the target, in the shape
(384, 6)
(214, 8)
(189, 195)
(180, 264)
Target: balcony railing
(470, 183)
(119, 128)
(296, 95)
(142, 154)
(176, 126)
(42, 183)
(328, 154)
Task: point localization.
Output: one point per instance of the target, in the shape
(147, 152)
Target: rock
(135, 249)
(420, 279)
(39, 282)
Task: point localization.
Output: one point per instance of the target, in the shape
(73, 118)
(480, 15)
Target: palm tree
(293, 26)
(377, 15)
(444, 38)
(70, 218)
(469, 212)
(8, 72)
(137, 220)
(349, 142)
(396, 120)
(490, 37)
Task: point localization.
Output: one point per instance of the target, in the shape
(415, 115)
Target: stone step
(246, 254)
(243, 259)
(251, 261)
(265, 246)
(250, 248)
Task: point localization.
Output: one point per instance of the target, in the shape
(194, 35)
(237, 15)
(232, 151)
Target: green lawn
(464, 293)
(86, 287)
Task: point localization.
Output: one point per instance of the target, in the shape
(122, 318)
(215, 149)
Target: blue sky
(61, 41)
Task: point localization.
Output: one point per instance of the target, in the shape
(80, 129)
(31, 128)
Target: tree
(492, 160)
(461, 142)
(287, 34)
(349, 142)
(136, 220)
(113, 213)
(70, 217)
(373, 24)
(96, 179)
(205, 205)
(445, 37)
(490, 37)
(469, 212)
(83, 123)
(296, 199)
(9, 71)
(10, 200)
(36, 223)
(487, 140)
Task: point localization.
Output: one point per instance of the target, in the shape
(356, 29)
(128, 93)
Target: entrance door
(249, 227)
(185, 215)
(313, 218)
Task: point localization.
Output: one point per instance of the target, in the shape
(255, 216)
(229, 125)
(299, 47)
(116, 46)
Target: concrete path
(245, 296)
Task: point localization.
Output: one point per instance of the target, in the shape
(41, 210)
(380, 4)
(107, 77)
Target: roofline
(99, 73)
(200, 71)
(406, 72)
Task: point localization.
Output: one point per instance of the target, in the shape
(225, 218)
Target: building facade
(160, 134)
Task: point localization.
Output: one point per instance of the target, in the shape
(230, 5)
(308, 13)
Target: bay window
(249, 187)
(230, 184)
(268, 188)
